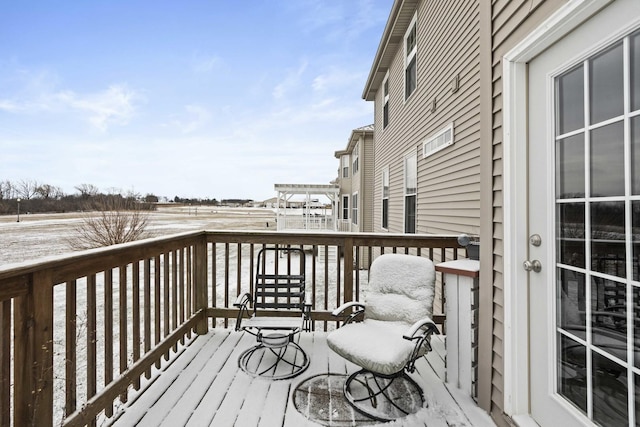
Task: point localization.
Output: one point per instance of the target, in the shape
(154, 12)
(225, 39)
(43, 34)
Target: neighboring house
(519, 121)
(355, 175)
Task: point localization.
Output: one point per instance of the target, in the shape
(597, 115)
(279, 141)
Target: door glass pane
(635, 155)
(635, 71)
(609, 316)
(608, 238)
(635, 236)
(607, 160)
(570, 101)
(605, 84)
(571, 303)
(570, 167)
(637, 386)
(636, 328)
(570, 232)
(572, 371)
(609, 392)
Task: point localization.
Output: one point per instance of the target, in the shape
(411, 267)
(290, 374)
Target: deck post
(201, 284)
(33, 369)
(348, 269)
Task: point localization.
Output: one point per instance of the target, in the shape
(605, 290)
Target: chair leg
(274, 363)
(381, 397)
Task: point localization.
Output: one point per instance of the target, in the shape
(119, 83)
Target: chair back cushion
(401, 288)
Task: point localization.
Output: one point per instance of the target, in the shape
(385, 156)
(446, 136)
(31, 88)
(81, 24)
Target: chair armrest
(338, 311)
(422, 328)
(420, 333)
(242, 302)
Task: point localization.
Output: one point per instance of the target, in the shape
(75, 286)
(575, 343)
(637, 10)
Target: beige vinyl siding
(448, 197)
(368, 178)
(511, 21)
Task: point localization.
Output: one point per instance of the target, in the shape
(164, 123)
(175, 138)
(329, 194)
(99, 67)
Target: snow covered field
(46, 234)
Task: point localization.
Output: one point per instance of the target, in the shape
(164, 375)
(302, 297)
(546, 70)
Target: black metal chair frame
(398, 306)
(276, 294)
(420, 333)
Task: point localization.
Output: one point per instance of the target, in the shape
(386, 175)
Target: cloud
(195, 118)
(115, 105)
(291, 81)
(205, 64)
(336, 78)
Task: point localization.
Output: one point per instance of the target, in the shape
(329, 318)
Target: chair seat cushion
(272, 322)
(377, 346)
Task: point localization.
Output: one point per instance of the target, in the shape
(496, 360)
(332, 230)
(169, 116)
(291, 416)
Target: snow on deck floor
(205, 387)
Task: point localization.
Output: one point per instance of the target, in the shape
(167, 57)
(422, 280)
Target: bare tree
(27, 188)
(114, 220)
(47, 191)
(87, 190)
(7, 190)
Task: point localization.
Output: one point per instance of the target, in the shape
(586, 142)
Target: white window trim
(345, 163)
(385, 170)
(345, 196)
(434, 137)
(355, 156)
(385, 100)
(516, 334)
(404, 191)
(355, 209)
(408, 57)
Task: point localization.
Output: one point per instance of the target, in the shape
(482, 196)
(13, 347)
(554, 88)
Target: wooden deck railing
(79, 332)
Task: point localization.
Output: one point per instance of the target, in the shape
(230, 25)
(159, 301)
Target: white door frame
(515, 181)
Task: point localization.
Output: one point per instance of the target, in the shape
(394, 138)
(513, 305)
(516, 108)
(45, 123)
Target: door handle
(534, 266)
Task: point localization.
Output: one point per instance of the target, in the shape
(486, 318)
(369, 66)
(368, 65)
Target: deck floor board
(205, 387)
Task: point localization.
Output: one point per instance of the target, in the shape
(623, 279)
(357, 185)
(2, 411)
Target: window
(345, 207)
(354, 208)
(385, 198)
(410, 59)
(345, 166)
(385, 108)
(437, 142)
(410, 192)
(356, 156)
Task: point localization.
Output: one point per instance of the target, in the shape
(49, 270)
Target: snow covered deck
(205, 387)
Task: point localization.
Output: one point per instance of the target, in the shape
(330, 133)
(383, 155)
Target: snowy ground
(46, 234)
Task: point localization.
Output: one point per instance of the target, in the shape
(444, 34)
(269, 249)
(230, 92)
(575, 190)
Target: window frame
(384, 217)
(354, 208)
(355, 156)
(385, 101)
(345, 165)
(411, 57)
(410, 228)
(345, 206)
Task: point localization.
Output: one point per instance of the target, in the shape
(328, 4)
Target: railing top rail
(334, 237)
(13, 277)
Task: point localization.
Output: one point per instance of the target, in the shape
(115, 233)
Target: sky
(195, 98)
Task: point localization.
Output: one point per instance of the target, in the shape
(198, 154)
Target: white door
(584, 217)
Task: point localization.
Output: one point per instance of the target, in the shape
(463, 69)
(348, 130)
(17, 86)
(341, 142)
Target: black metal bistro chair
(395, 332)
(277, 314)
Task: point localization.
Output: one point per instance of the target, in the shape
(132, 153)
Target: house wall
(507, 22)
(448, 196)
(367, 174)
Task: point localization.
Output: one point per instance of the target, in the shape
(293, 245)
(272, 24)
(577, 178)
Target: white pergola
(287, 191)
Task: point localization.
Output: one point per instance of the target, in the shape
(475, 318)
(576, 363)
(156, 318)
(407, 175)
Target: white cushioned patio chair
(278, 312)
(395, 331)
